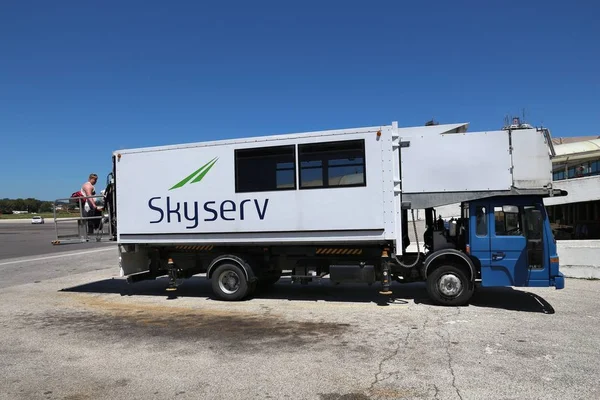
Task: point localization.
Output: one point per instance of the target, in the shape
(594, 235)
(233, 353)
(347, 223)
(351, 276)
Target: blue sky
(81, 79)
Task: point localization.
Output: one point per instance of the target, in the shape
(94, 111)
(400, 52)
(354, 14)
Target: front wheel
(229, 282)
(449, 285)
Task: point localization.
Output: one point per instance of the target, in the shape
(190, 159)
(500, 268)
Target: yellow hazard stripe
(196, 248)
(338, 251)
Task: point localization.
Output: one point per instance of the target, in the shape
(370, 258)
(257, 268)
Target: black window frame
(325, 164)
(481, 225)
(291, 147)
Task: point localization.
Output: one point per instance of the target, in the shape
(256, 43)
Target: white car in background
(37, 220)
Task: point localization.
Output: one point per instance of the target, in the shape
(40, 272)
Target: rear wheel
(449, 285)
(229, 282)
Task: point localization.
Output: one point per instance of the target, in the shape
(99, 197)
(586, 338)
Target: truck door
(517, 253)
(479, 237)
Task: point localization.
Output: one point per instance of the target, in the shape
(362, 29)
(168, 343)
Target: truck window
(481, 221)
(508, 221)
(534, 223)
(333, 164)
(265, 169)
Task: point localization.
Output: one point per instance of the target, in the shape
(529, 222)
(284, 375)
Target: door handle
(498, 256)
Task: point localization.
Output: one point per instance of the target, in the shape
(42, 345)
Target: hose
(412, 212)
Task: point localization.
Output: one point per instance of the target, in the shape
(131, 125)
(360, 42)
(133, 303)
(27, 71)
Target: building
(576, 169)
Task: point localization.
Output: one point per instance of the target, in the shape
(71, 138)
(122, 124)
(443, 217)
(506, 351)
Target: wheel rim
(450, 285)
(229, 282)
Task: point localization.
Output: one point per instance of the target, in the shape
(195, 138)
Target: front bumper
(559, 281)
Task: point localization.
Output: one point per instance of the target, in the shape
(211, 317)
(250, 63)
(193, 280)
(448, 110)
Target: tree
(7, 206)
(32, 205)
(18, 205)
(46, 206)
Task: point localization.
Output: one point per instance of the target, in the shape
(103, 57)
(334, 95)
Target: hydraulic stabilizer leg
(385, 273)
(172, 268)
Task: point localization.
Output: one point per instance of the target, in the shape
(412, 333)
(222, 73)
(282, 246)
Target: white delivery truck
(336, 203)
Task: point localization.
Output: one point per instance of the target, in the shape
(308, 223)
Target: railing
(583, 170)
(101, 224)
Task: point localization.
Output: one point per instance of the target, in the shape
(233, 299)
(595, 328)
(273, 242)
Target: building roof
(577, 149)
(565, 140)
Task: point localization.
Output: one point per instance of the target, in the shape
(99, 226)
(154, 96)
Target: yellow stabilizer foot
(171, 289)
(388, 292)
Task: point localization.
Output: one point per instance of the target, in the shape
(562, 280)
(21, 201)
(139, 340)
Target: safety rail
(97, 228)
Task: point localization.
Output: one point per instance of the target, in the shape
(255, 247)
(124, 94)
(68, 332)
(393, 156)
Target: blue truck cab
(511, 240)
(497, 242)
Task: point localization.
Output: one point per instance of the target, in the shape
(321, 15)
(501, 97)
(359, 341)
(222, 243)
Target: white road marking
(80, 253)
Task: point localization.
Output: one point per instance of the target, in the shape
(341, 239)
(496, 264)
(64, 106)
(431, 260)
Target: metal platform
(97, 228)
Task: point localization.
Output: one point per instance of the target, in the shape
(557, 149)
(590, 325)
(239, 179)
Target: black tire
(457, 289)
(252, 287)
(229, 282)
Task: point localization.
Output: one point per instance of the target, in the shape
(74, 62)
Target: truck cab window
(481, 221)
(533, 222)
(508, 221)
(333, 164)
(265, 169)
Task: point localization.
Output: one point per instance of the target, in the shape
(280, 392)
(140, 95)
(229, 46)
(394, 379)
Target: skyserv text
(227, 210)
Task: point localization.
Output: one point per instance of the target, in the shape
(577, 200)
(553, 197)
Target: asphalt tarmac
(72, 328)
(86, 334)
(21, 239)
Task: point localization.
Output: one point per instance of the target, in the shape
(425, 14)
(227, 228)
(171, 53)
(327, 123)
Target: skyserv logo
(227, 210)
(197, 175)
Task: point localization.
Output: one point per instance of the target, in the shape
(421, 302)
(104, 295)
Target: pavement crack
(437, 392)
(425, 322)
(378, 378)
(405, 340)
(450, 362)
(452, 372)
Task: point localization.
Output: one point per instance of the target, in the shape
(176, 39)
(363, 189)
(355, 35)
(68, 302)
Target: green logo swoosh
(197, 175)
